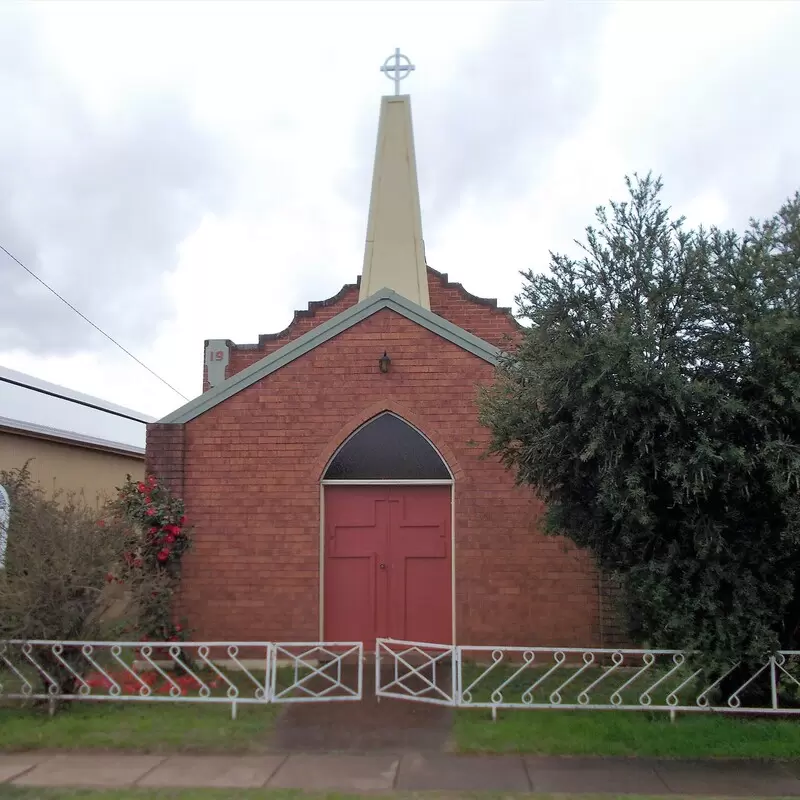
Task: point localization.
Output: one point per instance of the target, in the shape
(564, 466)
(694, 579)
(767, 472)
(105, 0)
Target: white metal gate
(419, 671)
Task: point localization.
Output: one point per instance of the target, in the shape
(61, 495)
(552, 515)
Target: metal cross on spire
(400, 67)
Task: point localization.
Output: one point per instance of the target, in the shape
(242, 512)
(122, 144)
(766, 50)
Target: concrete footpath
(405, 772)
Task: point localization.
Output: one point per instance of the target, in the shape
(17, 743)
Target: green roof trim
(386, 298)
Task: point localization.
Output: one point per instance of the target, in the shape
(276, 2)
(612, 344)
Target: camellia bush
(157, 538)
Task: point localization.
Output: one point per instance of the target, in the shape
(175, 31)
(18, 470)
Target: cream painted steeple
(394, 256)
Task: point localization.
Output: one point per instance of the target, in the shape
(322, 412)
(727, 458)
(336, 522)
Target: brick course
(479, 316)
(252, 465)
(164, 454)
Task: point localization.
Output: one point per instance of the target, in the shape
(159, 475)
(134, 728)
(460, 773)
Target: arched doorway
(387, 537)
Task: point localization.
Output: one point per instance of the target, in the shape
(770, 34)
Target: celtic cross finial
(398, 69)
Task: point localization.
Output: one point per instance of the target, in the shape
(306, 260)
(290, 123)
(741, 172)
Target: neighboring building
(71, 441)
(335, 472)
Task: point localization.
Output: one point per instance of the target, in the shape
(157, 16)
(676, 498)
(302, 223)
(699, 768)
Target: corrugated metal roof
(47, 432)
(26, 400)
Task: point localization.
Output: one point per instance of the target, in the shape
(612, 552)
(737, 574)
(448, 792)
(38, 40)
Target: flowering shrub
(157, 539)
(162, 536)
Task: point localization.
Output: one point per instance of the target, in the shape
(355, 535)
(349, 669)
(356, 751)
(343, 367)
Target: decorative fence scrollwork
(237, 673)
(624, 680)
(230, 673)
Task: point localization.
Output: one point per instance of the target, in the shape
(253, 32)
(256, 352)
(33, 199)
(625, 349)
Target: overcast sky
(183, 171)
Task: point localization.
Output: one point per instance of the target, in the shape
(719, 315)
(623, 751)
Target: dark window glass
(387, 449)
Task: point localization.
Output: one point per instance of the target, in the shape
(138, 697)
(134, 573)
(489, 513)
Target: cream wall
(55, 465)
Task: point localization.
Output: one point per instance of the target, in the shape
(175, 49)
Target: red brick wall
(164, 454)
(449, 300)
(242, 356)
(481, 317)
(252, 467)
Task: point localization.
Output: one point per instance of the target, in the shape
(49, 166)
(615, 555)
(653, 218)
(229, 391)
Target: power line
(75, 400)
(97, 328)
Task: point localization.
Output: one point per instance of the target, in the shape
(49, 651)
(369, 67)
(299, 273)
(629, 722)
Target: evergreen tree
(654, 404)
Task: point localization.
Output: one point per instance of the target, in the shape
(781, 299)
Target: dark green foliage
(654, 403)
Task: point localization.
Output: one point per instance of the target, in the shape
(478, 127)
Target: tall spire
(394, 256)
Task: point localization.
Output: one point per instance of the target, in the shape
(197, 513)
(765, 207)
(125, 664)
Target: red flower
(109, 578)
(101, 523)
(149, 678)
(182, 521)
(163, 554)
(137, 562)
(140, 486)
(152, 480)
(170, 538)
(178, 628)
(96, 681)
(150, 512)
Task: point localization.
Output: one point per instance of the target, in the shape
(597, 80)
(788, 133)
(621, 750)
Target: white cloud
(292, 90)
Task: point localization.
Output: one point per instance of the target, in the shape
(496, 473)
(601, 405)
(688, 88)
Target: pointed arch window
(387, 448)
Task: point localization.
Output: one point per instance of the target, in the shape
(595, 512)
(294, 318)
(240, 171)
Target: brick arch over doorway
(387, 537)
(424, 426)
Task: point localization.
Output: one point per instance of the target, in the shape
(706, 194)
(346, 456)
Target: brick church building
(336, 476)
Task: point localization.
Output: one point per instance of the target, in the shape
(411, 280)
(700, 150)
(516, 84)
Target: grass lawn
(621, 733)
(172, 728)
(148, 727)
(611, 733)
(153, 727)
(191, 728)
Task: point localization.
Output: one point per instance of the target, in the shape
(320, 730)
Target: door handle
(382, 566)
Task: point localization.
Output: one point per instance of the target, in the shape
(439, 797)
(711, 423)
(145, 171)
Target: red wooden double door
(388, 563)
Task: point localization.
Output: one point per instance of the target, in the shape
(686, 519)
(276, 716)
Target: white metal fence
(230, 673)
(582, 678)
(236, 673)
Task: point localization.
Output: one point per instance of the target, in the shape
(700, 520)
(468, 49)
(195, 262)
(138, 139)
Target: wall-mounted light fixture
(384, 361)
